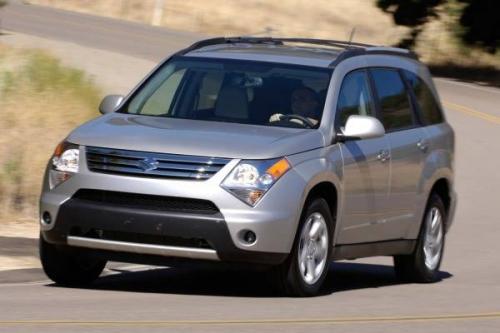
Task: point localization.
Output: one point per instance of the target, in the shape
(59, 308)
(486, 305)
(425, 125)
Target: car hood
(194, 137)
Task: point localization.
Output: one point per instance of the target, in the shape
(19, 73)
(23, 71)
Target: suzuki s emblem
(148, 164)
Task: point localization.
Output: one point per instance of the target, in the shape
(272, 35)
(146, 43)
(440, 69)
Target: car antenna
(351, 36)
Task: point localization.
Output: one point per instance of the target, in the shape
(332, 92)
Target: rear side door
(408, 146)
(365, 173)
(431, 117)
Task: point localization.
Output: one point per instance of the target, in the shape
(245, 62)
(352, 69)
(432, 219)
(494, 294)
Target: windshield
(226, 90)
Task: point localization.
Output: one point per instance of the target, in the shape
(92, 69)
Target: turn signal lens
(59, 149)
(279, 168)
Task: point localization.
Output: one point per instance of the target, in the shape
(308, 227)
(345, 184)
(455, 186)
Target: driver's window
(354, 97)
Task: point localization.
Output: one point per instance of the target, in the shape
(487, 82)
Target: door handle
(422, 145)
(383, 156)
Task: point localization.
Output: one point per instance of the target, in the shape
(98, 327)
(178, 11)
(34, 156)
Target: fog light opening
(249, 237)
(46, 218)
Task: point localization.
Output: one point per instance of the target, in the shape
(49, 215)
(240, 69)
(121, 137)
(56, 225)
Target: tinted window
(354, 97)
(428, 106)
(159, 101)
(209, 90)
(236, 91)
(393, 99)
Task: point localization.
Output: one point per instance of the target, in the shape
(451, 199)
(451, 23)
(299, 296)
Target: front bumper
(170, 234)
(274, 219)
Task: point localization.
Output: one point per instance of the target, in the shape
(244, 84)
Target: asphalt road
(360, 296)
(130, 38)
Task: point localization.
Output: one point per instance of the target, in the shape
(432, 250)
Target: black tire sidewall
(426, 274)
(69, 266)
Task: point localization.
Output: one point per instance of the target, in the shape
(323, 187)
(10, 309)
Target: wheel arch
(328, 191)
(442, 187)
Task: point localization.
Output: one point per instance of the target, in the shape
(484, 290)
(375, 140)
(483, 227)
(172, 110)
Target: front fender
(320, 166)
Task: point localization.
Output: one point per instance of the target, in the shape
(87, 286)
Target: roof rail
(272, 40)
(390, 49)
(227, 40)
(351, 49)
(374, 50)
(326, 42)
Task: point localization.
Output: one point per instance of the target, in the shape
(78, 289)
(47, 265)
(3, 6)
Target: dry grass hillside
(40, 101)
(332, 19)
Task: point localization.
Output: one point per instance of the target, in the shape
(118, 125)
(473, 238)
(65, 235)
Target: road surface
(360, 296)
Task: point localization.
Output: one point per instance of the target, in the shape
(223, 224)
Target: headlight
(64, 163)
(251, 179)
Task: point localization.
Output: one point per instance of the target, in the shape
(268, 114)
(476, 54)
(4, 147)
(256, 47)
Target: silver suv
(288, 153)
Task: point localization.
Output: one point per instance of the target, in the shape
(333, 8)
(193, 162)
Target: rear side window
(393, 99)
(427, 104)
(355, 97)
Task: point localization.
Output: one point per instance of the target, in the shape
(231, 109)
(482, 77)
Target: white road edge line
(31, 283)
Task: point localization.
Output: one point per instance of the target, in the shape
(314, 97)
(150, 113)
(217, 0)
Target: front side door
(408, 144)
(365, 169)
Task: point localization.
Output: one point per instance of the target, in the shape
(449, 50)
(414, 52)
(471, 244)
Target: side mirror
(110, 103)
(361, 127)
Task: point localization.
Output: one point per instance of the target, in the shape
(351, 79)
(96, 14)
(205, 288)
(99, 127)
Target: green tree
(478, 23)
(410, 13)
(481, 24)
(2, 3)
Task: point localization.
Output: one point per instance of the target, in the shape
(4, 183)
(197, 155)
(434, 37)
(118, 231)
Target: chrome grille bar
(119, 161)
(161, 250)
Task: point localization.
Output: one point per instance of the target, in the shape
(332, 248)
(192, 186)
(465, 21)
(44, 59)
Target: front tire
(305, 270)
(69, 266)
(423, 265)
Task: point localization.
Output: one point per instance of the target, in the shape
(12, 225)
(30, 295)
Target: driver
(304, 103)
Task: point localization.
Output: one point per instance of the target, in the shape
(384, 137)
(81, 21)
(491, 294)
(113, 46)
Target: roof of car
(309, 56)
(300, 51)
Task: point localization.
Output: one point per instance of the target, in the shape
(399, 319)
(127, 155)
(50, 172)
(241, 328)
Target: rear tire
(304, 271)
(69, 266)
(423, 265)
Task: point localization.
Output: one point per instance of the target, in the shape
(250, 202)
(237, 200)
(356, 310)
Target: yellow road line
(472, 112)
(332, 321)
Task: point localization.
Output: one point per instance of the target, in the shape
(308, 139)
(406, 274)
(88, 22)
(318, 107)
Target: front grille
(147, 202)
(146, 164)
(122, 236)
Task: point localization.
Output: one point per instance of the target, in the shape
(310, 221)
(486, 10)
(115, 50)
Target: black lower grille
(146, 201)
